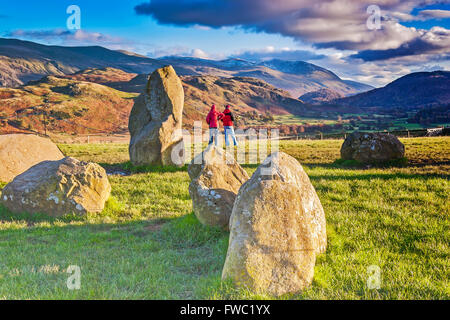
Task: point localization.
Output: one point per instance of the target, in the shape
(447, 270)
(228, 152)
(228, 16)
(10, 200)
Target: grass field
(147, 244)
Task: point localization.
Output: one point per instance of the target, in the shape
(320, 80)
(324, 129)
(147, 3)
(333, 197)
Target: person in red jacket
(213, 120)
(227, 120)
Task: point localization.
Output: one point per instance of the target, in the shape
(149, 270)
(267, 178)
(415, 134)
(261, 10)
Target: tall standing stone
(156, 120)
(276, 229)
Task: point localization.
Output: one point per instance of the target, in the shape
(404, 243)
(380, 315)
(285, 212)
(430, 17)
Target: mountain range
(22, 61)
(414, 90)
(91, 89)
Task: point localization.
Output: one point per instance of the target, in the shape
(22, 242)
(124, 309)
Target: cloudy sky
(372, 41)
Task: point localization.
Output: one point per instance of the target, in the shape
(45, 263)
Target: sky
(371, 41)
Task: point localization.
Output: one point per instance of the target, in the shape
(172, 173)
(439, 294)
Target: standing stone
(19, 152)
(276, 228)
(57, 188)
(156, 119)
(215, 183)
(372, 147)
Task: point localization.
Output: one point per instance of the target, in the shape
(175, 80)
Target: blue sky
(331, 33)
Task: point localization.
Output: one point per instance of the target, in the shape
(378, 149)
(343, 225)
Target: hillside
(99, 100)
(22, 61)
(61, 105)
(243, 93)
(408, 92)
(296, 77)
(320, 96)
(247, 96)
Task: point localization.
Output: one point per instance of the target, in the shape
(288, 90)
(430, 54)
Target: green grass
(147, 244)
(292, 120)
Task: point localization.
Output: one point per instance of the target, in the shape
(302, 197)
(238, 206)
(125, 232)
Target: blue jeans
(230, 131)
(213, 135)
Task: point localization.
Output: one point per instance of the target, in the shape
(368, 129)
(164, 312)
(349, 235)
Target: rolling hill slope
(58, 105)
(408, 92)
(99, 100)
(22, 61)
(296, 77)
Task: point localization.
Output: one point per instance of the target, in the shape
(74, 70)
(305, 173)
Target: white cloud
(434, 14)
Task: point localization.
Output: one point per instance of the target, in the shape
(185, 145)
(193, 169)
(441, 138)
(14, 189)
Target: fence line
(316, 136)
(399, 133)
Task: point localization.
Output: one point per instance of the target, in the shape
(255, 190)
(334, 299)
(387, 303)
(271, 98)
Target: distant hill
(296, 77)
(411, 91)
(320, 96)
(245, 95)
(99, 101)
(22, 61)
(69, 106)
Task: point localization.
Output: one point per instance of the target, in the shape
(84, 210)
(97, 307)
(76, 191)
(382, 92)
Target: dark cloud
(338, 24)
(415, 47)
(436, 41)
(211, 13)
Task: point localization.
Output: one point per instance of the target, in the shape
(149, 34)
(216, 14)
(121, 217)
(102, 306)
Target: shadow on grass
(127, 168)
(175, 233)
(352, 164)
(161, 251)
(382, 176)
(33, 218)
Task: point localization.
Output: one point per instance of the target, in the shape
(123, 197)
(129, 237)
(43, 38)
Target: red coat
(213, 117)
(227, 118)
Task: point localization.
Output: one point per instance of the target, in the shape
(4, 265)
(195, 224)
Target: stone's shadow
(127, 168)
(183, 232)
(382, 176)
(34, 218)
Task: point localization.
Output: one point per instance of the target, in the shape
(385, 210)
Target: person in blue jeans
(212, 121)
(227, 120)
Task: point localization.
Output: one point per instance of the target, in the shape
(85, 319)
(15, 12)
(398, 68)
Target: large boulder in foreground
(156, 119)
(216, 179)
(372, 147)
(19, 152)
(57, 188)
(276, 229)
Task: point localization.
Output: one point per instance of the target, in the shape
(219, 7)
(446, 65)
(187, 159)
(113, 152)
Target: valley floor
(147, 244)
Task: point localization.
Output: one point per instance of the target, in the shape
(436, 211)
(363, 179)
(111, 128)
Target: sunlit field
(147, 244)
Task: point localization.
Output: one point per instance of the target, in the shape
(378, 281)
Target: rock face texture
(19, 152)
(372, 147)
(57, 188)
(276, 229)
(216, 180)
(156, 119)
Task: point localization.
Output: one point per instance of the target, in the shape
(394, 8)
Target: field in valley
(147, 244)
